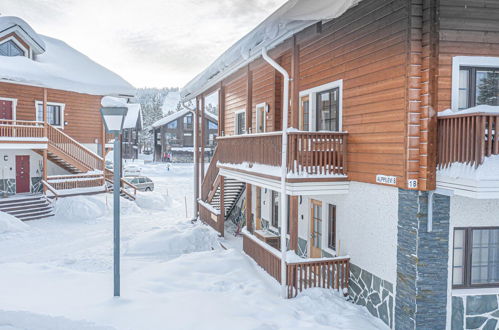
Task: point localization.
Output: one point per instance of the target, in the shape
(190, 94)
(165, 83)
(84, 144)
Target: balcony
(311, 155)
(22, 133)
(468, 154)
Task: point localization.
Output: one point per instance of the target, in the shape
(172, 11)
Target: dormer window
(10, 48)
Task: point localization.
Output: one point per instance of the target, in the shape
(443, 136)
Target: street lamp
(113, 118)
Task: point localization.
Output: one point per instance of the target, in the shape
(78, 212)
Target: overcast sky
(153, 43)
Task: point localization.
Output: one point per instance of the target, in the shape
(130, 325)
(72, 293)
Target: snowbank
(182, 238)
(80, 208)
(489, 170)
(10, 224)
(153, 201)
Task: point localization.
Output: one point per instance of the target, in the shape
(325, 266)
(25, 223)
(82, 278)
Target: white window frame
(14, 105)
(236, 123)
(312, 94)
(271, 204)
(27, 52)
(261, 107)
(325, 225)
(474, 61)
(62, 105)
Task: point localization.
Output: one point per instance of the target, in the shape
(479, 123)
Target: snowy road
(57, 273)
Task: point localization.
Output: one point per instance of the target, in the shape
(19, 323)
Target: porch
(22, 134)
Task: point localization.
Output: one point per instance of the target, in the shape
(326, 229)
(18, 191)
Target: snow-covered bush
(10, 224)
(153, 201)
(80, 208)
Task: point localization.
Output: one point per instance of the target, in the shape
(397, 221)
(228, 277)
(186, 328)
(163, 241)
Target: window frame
(61, 105)
(312, 99)
(468, 261)
(459, 62)
(236, 122)
(263, 108)
(472, 83)
(186, 122)
(27, 51)
(272, 209)
(334, 234)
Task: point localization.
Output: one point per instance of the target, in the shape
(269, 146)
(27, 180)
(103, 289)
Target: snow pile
(489, 170)
(113, 102)
(489, 109)
(10, 224)
(153, 201)
(80, 208)
(182, 238)
(25, 320)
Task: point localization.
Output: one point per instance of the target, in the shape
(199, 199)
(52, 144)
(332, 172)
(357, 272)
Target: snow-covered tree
(488, 89)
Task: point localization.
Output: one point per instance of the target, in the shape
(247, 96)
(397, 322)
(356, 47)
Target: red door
(6, 110)
(22, 174)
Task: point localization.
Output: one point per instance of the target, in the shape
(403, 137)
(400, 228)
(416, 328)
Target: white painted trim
(14, 106)
(312, 92)
(236, 124)
(62, 105)
(261, 106)
(325, 229)
(27, 52)
(477, 189)
(22, 146)
(475, 61)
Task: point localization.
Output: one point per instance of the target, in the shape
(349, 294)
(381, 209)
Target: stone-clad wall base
(8, 186)
(475, 312)
(375, 294)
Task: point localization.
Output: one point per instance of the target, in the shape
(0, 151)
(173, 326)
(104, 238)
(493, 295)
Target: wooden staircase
(27, 207)
(232, 193)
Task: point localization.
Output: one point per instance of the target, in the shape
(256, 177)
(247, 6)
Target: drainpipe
(196, 174)
(430, 211)
(284, 204)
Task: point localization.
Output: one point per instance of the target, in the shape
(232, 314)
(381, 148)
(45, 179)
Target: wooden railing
(328, 273)
(72, 148)
(322, 153)
(209, 180)
(467, 138)
(213, 219)
(21, 129)
(64, 182)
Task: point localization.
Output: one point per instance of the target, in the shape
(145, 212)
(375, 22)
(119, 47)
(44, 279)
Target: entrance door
(315, 229)
(6, 110)
(22, 174)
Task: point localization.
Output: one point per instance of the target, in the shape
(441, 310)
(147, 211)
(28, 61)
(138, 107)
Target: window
(328, 110)
(331, 227)
(475, 257)
(188, 122)
(212, 125)
(304, 113)
(172, 125)
(240, 122)
(54, 113)
(275, 209)
(478, 86)
(10, 48)
(260, 118)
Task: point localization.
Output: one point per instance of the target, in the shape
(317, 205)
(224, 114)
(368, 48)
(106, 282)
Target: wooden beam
(45, 129)
(221, 225)
(249, 223)
(293, 222)
(249, 101)
(295, 83)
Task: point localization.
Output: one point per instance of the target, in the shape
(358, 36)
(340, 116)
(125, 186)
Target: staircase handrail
(210, 175)
(50, 188)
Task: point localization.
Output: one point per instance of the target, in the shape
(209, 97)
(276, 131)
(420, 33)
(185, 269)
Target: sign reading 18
(412, 184)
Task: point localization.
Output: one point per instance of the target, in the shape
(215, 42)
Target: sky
(150, 43)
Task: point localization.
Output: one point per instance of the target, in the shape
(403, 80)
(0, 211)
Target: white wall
(366, 225)
(8, 163)
(469, 212)
(92, 146)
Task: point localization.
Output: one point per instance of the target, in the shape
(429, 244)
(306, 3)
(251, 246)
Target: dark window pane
(328, 110)
(487, 89)
(485, 256)
(275, 209)
(331, 239)
(10, 48)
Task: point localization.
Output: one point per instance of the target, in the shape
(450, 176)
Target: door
(315, 229)
(22, 174)
(6, 111)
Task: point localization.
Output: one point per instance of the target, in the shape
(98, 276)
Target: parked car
(143, 183)
(131, 170)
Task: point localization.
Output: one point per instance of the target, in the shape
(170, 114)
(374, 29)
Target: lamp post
(113, 118)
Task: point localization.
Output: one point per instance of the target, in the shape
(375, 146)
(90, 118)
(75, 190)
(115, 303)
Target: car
(143, 183)
(131, 170)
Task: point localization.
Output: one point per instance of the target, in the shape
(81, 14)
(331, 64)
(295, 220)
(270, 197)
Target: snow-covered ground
(57, 273)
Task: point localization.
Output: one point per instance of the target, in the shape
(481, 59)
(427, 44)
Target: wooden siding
(235, 100)
(367, 47)
(263, 92)
(81, 110)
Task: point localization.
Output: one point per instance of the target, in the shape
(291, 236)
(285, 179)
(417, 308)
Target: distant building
(131, 128)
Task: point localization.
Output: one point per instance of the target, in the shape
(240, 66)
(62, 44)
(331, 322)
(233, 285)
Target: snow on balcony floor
(489, 170)
(57, 274)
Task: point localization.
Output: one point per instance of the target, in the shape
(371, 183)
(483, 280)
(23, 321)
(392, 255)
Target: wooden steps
(27, 207)
(233, 190)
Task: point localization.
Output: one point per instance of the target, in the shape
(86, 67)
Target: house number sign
(385, 179)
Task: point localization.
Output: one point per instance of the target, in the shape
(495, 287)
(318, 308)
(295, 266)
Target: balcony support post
(195, 155)
(45, 130)
(284, 156)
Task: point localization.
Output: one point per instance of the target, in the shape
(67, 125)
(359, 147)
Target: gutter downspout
(284, 153)
(196, 174)
(430, 211)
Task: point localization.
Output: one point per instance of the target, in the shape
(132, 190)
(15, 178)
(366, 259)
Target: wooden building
(131, 129)
(51, 131)
(176, 133)
(391, 149)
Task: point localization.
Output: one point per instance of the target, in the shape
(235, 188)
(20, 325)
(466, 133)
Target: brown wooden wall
(235, 100)
(81, 110)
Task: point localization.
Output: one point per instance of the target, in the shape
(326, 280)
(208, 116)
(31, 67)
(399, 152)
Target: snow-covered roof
(60, 67)
(170, 118)
(9, 24)
(211, 116)
(133, 114)
(292, 17)
(489, 109)
(172, 99)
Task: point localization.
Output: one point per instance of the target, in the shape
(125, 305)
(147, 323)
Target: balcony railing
(467, 138)
(328, 273)
(23, 129)
(319, 153)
